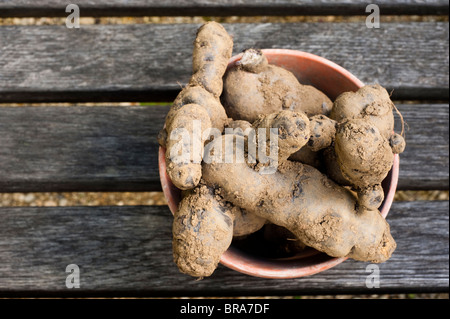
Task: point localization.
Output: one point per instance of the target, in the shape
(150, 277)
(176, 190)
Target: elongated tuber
(212, 50)
(293, 197)
(203, 228)
(202, 232)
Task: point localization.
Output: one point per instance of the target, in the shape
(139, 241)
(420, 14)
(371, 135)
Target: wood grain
(115, 148)
(127, 251)
(151, 62)
(27, 8)
(54, 148)
(424, 164)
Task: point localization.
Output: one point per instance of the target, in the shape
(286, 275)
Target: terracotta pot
(333, 80)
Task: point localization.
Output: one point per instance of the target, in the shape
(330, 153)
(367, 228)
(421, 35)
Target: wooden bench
(126, 250)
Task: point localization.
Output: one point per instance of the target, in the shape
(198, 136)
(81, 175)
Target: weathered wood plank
(127, 251)
(53, 148)
(115, 148)
(151, 62)
(27, 8)
(425, 163)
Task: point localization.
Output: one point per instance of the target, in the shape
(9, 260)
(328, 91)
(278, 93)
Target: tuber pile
(254, 150)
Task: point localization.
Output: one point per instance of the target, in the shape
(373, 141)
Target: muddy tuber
(212, 50)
